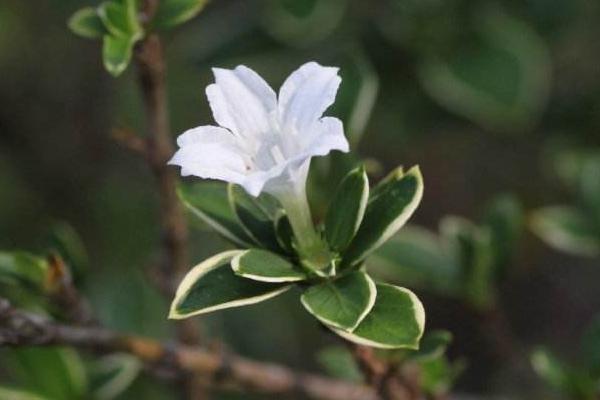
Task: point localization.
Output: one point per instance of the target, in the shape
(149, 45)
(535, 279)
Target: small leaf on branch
(87, 23)
(111, 375)
(116, 53)
(175, 12)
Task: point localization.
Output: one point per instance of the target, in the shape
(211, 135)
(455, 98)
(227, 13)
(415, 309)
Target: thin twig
(19, 328)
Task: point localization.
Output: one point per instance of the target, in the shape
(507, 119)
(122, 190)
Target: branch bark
(19, 328)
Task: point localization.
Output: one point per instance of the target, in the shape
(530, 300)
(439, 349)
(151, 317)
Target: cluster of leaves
(465, 260)
(117, 23)
(580, 381)
(437, 373)
(58, 373)
(348, 301)
(29, 280)
(574, 228)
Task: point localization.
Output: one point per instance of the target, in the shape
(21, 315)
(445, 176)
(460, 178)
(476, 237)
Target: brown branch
(63, 293)
(19, 328)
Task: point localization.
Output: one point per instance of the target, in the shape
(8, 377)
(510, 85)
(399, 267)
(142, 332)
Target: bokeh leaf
(111, 375)
(415, 257)
(500, 81)
(566, 228)
(20, 267)
(53, 372)
(174, 12)
(87, 23)
(339, 363)
(9, 393)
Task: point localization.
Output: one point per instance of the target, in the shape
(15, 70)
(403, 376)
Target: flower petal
(210, 152)
(241, 101)
(306, 94)
(325, 135)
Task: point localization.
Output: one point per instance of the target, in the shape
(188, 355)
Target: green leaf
(341, 303)
(87, 23)
(53, 372)
(113, 374)
(264, 266)
(23, 268)
(567, 229)
(120, 19)
(391, 204)
(397, 320)
(470, 247)
(504, 217)
(339, 363)
(438, 375)
(550, 368)
(503, 47)
(302, 22)
(174, 12)
(63, 239)
(116, 53)
(9, 393)
(433, 345)
(255, 215)
(415, 257)
(208, 201)
(357, 94)
(212, 285)
(347, 209)
(284, 232)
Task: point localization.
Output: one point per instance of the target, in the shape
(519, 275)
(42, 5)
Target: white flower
(264, 141)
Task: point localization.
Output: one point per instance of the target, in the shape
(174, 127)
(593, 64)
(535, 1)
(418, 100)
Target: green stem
(313, 251)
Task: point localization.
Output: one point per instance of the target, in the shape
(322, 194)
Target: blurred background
(490, 98)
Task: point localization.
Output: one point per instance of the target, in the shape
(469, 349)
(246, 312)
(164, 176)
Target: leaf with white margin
(264, 266)
(212, 285)
(390, 205)
(342, 303)
(347, 209)
(87, 23)
(567, 229)
(208, 201)
(255, 214)
(397, 320)
(174, 12)
(111, 375)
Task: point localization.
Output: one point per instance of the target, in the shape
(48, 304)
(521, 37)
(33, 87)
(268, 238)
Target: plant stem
(19, 328)
(313, 251)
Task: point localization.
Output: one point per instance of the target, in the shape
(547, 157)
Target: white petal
(210, 152)
(325, 135)
(306, 94)
(205, 134)
(241, 101)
